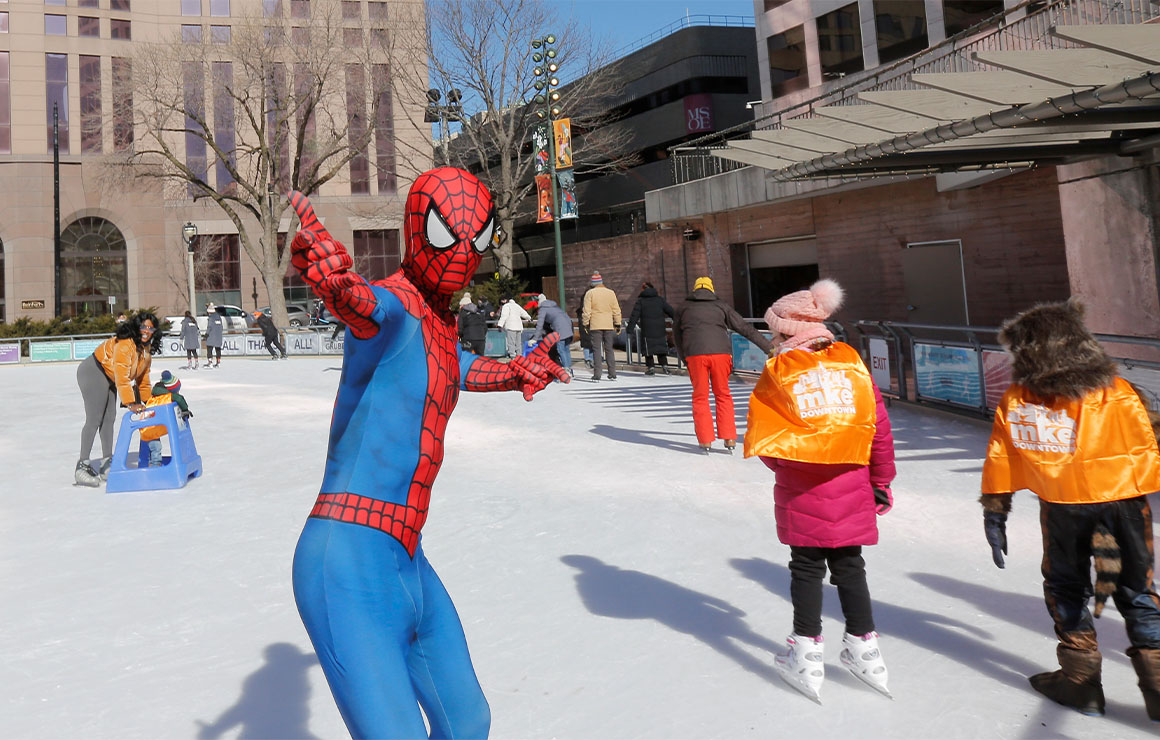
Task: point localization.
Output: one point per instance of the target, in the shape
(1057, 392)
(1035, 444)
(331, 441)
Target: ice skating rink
(612, 582)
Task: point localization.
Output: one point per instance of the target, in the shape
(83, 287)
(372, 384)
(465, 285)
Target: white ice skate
(861, 655)
(803, 667)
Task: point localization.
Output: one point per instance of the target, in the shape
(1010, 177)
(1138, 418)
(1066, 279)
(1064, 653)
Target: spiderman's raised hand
(536, 370)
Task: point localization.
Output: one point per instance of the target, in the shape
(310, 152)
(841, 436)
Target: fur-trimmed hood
(1054, 354)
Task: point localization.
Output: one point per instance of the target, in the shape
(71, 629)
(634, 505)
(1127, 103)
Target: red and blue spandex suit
(386, 633)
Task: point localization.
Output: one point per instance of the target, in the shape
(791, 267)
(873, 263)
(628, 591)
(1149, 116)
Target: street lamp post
(443, 114)
(547, 107)
(189, 233)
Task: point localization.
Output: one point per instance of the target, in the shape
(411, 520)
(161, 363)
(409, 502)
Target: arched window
(92, 267)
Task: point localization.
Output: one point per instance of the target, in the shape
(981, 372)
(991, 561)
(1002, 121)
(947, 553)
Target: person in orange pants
(701, 334)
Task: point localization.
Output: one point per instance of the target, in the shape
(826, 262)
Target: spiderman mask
(450, 218)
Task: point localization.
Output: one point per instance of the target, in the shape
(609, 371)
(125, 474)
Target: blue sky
(626, 21)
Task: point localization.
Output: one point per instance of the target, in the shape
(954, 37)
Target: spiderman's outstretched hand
(536, 370)
(325, 265)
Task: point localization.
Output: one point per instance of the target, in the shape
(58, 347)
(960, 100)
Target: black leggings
(807, 567)
(191, 354)
(209, 350)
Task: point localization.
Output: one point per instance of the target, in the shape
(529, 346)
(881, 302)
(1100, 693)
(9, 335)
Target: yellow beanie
(703, 282)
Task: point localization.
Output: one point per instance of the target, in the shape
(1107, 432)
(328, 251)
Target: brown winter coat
(702, 323)
(601, 309)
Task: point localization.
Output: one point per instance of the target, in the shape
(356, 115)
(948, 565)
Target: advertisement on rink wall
(302, 343)
(9, 352)
(948, 374)
(748, 356)
(51, 351)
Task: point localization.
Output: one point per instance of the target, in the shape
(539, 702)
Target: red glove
(536, 370)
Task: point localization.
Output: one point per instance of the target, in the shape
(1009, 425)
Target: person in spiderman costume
(385, 630)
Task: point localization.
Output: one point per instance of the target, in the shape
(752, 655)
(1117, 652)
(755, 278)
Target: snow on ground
(613, 583)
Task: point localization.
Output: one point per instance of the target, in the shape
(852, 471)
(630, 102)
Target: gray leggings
(100, 407)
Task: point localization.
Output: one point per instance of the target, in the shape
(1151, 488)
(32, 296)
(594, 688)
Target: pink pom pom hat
(799, 315)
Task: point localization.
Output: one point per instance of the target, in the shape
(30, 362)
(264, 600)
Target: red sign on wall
(698, 113)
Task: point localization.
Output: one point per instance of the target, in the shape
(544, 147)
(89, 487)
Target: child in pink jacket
(818, 421)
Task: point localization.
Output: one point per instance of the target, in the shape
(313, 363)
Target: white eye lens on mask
(483, 241)
(438, 234)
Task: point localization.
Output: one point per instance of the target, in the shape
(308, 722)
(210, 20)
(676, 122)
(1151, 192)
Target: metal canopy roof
(1027, 106)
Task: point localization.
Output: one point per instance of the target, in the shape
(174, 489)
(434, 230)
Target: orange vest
(815, 407)
(148, 434)
(1098, 448)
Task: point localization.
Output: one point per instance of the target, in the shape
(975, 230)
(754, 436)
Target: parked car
(233, 317)
(297, 314)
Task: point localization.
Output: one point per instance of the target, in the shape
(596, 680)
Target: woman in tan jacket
(117, 371)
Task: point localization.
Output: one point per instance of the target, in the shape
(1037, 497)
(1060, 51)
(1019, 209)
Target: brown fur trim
(1053, 354)
(997, 502)
(1106, 552)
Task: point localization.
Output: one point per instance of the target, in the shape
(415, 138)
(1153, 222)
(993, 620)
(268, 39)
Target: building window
(56, 93)
(219, 8)
(219, 34)
(120, 30)
(88, 3)
(122, 104)
(5, 106)
(376, 253)
(351, 10)
(54, 2)
(900, 26)
(217, 270)
(4, 22)
(384, 130)
(377, 11)
(190, 34)
(299, 8)
(92, 267)
(352, 37)
(787, 61)
(272, 8)
(118, 4)
(191, 7)
(194, 83)
(90, 81)
(88, 26)
(356, 120)
(379, 37)
(278, 124)
(771, 4)
(300, 36)
(840, 42)
(959, 15)
(55, 25)
(223, 122)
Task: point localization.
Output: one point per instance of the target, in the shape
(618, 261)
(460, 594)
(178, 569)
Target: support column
(1111, 227)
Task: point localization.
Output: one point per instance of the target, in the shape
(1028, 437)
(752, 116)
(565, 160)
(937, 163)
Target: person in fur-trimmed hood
(1083, 440)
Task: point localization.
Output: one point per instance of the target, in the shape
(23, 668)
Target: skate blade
(877, 687)
(802, 688)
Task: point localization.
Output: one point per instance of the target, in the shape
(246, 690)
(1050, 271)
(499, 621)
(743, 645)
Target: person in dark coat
(649, 313)
(701, 333)
(552, 318)
(585, 337)
(270, 334)
(472, 328)
(213, 336)
(191, 340)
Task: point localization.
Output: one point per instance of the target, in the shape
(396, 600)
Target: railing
(688, 21)
(695, 160)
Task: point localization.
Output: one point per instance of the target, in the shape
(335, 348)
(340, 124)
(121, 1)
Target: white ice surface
(612, 582)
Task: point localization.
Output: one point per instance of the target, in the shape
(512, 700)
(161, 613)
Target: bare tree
(482, 48)
(288, 108)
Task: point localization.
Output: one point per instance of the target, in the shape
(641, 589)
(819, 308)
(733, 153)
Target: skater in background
(165, 391)
(511, 319)
(585, 337)
(602, 317)
(213, 336)
(116, 372)
(1081, 438)
(649, 313)
(701, 334)
(190, 339)
(472, 327)
(270, 334)
(818, 421)
(551, 318)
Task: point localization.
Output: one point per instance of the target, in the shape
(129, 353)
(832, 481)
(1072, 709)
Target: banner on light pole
(568, 205)
(540, 144)
(543, 199)
(563, 141)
